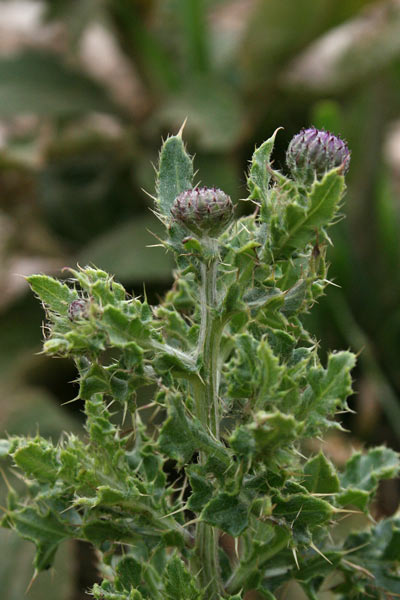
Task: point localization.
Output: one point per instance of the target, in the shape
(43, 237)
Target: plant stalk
(207, 411)
(249, 567)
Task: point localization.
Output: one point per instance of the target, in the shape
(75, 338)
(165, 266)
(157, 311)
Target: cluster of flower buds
(203, 211)
(206, 212)
(312, 153)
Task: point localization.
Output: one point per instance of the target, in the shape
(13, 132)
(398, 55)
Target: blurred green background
(88, 88)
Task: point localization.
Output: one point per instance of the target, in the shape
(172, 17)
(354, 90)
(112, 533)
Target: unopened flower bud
(78, 309)
(203, 211)
(312, 153)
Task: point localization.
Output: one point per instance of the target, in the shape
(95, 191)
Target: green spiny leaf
(228, 513)
(128, 573)
(302, 509)
(301, 223)
(55, 295)
(317, 566)
(272, 431)
(98, 531)
(180, 585)
(94, 381)
(320, 475)
(352, 497)
(271, 374)
(364, 471)
(260, 170)
(175, 173)
(202, 490)
(327, 391)
(181, 436)
(106, 591)
(45, 530)
(38, 459)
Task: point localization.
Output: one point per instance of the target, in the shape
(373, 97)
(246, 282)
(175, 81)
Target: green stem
(209, 341)
(254, 563)
(207, 411)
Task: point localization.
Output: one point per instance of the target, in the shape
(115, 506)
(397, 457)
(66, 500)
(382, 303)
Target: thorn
(148, 193)
(296, 517)
(299, 453)
(159, 216)
(8, 484)
(70, 401)
(201, 379)
(360, 351)
(178, 510)
(182, 493)
(314, 547)
(179, 134)
(199, 571)
(32, 581)
(347, 511)
(358, 568)
(162, 243)
(107, 406)
(154, 414)
(245, 228)
(342, 518)
(295, 558)
(197, 520)
(328, 282)
(125, 413)
(356, 548)
(237, 547)
(147, 405)
(74, 503)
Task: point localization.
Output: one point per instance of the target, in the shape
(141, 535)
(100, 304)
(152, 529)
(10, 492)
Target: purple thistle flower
(203, 211)
(312, 153)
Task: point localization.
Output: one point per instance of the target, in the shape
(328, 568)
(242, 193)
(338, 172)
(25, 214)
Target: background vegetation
(87, 90)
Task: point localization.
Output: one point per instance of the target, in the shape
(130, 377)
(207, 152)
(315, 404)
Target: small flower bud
(203, 211)
(78, 309)
(312, 153)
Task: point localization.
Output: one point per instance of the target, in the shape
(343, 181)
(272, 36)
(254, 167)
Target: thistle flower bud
(311, 153)
(77, 310)
(203, 211)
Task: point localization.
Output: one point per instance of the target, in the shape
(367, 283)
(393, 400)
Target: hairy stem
(207, 409)
(254, 563)
(210, 335)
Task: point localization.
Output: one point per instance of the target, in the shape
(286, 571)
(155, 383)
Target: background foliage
(87, 89)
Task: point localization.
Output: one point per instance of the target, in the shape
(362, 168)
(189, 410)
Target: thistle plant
(219, 493)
